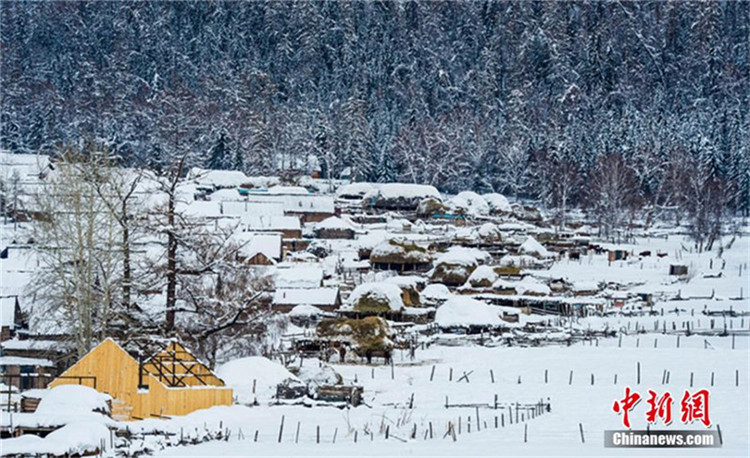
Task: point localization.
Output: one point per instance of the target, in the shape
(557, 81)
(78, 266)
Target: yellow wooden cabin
(172, 382)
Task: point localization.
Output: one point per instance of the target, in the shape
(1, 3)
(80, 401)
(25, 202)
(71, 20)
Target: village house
(334, 228)
(171, 382)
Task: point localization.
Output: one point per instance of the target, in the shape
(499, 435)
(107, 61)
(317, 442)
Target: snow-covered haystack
(73, 399)
(354, 191)
(370, 334)
(534, 248)
(530, 286)
(498, 203)
(463, 311)
(503, 286)
(74, 439)
(377, 297)
(399, 252)
(400, 195)
(240, 373)
(482, 277)
(315, 373)
(431, 206)
(489, 233)
(453, 267)
(469, 202)
(435, 293)
(410, 286)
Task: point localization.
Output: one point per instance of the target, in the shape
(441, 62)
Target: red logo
(693, 407)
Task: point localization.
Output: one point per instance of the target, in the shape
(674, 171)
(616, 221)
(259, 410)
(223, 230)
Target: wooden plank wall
(116, 374)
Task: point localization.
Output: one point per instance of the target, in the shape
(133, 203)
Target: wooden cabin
(172, 382)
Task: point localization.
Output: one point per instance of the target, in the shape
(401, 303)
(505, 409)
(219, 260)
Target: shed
(334, 228)
(171, 382)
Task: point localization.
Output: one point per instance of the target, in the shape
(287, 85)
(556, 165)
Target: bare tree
(77, 241)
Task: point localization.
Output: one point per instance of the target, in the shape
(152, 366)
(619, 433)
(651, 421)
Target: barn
(171, 382)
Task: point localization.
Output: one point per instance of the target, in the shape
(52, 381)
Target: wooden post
(336, 431)
(317, 434)
(615, 379)
(255, 439)
(712, 379)
(736, 377)
(580, 428)
(525, 432)
(432, 373)
(718, 429)
(691, 380)
(545, 376)
(495, 401)
(296, 434)
(355, 436)
(495, 421)
(492, 375)
(592, 379)
(281, 428)
(570, 378)
(392, 373)
(430, 430)
(450, 379)
(502, 420)
(639, 373)
(477, 411)
(411, 401)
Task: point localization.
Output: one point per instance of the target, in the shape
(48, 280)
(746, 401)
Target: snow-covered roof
(30, 344)
(299, 276)
(310, 296)
(23, 361)
(267, 244)
(464, 311)
(217, 178)
(388, 292)
(354, 190)
(288, 190)
(243, 207)
(8, 312)
(298, 203)
(201, 209)
(333, 222)
(306, 310)
(271, 223)
(404, 191)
